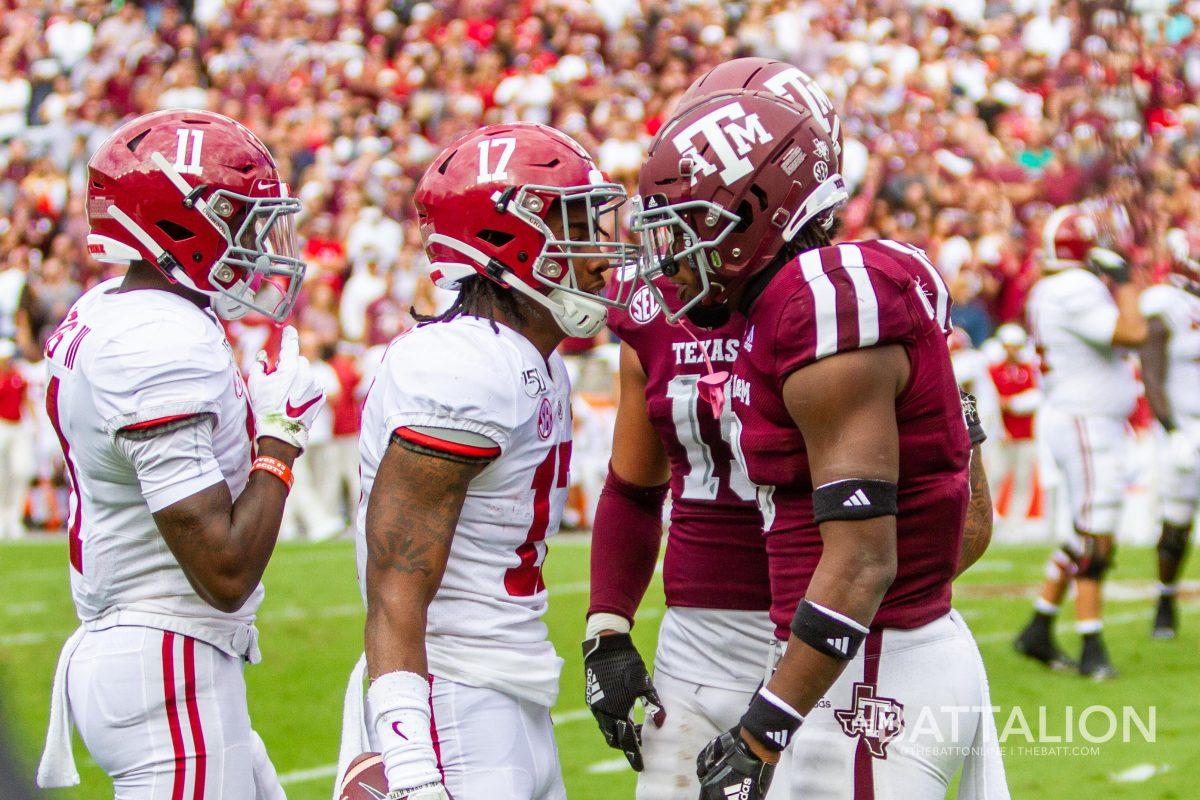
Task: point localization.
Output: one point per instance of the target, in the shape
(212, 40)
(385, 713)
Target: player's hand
(286, 399)
(1182, 450)
(971, 416)
(1110, 264)
(727, 768)
(431, 791)
(616, 678)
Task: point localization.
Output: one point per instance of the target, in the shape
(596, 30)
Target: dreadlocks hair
(479, 297)
(812, 236)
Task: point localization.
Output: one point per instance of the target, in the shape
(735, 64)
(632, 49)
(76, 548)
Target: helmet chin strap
(575, 315)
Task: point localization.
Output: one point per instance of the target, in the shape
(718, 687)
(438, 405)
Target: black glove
(726, 763)
(1109, 263)
(616, 678)
(971, 415)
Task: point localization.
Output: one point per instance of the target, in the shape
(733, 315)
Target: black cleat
(1164, 618)
(1037, 642)
(1094, 663)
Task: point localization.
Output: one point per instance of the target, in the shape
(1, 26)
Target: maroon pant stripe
(864, 764)
(168, 656)
(189, 693)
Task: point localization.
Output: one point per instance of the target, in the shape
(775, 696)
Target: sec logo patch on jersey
(545, 419)
(643, 307)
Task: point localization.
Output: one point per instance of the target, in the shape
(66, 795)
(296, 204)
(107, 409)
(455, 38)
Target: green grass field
(311, 627)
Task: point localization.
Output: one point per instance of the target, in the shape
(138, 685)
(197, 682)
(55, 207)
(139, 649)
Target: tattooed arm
(411, 516)
(977, 533)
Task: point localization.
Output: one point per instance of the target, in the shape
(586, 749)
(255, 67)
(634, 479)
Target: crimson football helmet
(199, 196)
(1185, 269)
(779, 78)
(485, 204)
(1067, 236)
(727, 183)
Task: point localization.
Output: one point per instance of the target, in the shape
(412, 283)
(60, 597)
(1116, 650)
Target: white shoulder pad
(454, 376)
(157, 367)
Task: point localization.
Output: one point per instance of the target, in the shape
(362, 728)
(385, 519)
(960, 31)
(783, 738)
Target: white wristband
(398, 707)
(602, 621)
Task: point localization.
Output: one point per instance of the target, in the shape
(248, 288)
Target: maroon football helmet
(484, 206)
(727, 183)
(779, 78)
(197, 195)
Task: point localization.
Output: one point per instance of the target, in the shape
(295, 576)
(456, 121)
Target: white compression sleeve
(398, 707)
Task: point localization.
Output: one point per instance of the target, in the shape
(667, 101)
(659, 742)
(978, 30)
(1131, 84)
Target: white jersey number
(187, 151)
(701, 482)
(506, 145)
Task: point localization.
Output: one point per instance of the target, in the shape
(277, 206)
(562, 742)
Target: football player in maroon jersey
(848, 421)
(716, 635)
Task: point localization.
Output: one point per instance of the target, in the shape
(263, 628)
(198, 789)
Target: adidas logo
(859, 498)
(778, 737)
(594, 693)
(841, 644)
(740, 791)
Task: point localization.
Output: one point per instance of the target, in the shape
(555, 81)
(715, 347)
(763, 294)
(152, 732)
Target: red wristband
(275, 467)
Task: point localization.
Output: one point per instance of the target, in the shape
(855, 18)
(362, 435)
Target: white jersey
(485, 623)
(1072, 317)
(1180, 312)
(124, 362)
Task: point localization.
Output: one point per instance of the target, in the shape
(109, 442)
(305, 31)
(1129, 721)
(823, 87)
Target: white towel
(355, 737)
(983, 771)
(57, 768)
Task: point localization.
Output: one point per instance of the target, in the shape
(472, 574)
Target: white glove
(431, 791)
(287, 399)
(1182, 450)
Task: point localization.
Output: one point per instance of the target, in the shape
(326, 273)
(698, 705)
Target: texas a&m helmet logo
(643, 308)
(875, 720)
(729, 131)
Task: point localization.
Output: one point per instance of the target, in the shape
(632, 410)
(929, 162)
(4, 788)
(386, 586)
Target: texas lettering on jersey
(715, 556)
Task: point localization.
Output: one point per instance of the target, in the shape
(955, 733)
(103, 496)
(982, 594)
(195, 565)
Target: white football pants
(1090, 452)
(911, 710)
(165, 716)
(706, 670)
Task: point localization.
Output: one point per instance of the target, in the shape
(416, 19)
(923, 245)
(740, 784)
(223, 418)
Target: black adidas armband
(771, 721)
(827, 631)
(854, 498)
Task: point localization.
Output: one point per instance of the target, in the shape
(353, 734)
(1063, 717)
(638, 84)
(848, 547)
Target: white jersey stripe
(868, 302)
(941, 292)
(824, 303)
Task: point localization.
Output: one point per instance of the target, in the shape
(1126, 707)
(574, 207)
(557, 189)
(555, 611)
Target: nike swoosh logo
(266, 185)
(296, 411)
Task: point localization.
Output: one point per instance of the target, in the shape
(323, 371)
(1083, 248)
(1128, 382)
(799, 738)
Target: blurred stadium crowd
(966, 122)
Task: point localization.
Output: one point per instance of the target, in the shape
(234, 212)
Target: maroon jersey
(715, 552)
(826, 302)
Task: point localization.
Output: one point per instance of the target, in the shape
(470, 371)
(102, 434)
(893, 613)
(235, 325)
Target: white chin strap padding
(577, 315)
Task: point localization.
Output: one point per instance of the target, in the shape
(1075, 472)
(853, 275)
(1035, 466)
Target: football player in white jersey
(1171, 372)
(173, 514)
(465, 450)
(1082, 329)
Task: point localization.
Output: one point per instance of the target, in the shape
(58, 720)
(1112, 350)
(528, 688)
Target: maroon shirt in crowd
(829, 301)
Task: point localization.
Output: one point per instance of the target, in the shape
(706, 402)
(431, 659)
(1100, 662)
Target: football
(364, 779)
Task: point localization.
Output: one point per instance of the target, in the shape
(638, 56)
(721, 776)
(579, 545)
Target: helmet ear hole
(176, 231)
(494, 238)
(745, 217)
